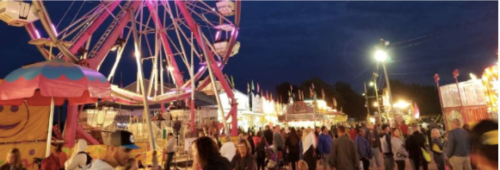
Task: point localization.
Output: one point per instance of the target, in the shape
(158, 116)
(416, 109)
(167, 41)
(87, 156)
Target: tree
(354, 105)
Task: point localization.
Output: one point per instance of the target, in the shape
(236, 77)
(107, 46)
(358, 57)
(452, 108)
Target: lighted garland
(490, 83)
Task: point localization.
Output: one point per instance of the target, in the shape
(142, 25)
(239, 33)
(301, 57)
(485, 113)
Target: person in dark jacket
(414, 145)
(206, 155)
(324, 146)
(363, 148)
(292, 145)
(457, 147)
(268, 134)
(243, 160)
(343, 154)
(261, 154)
(386, 147)
(374, 141)
(250, 141)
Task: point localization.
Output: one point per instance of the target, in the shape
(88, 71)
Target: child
(155, 162)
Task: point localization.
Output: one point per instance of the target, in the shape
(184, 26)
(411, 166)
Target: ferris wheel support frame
(86, 35)
(213, 64)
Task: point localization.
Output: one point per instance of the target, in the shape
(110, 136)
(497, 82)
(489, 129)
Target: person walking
(292, 145)
(309, 147)
(386, 146)
(170, 150)
(343, 155)
(457, 148)
(400, 153)
(414, 145)
(437, 149)
(374, 141)
(261, 154)
(268, 134)
(324, 146)
(364, 149)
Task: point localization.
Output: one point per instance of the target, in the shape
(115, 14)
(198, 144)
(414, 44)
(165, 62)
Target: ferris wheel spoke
(46, 22)
(87, 32)
(166, 46)
(112, 33)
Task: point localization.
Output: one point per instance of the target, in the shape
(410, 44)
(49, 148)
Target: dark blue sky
(293, 41)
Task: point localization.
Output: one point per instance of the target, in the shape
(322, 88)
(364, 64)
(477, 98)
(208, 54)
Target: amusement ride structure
(175, 36)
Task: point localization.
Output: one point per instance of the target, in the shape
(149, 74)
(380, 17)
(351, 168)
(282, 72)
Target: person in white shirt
(118, 152)
(228, 149)
(78, 160)
(170, 149)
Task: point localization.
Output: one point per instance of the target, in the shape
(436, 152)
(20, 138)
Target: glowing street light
(375, 104)
(380, 55)
(371, 83)
(401, 104)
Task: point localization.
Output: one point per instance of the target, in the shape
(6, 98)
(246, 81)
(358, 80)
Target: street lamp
(381, 56)
(375, 104)
(371, 83)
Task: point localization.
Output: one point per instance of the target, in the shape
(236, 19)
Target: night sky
(293, 41)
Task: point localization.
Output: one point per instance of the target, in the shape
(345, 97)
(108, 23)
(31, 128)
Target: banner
(473, 114)
(23, 123)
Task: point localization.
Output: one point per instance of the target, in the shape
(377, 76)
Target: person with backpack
(80, 159)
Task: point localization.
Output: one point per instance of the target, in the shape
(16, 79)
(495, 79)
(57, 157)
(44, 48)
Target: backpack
(89, 159)
(50, 163)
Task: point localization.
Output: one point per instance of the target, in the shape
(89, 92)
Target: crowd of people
(339, 147)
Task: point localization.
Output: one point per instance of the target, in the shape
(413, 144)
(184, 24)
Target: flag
(416, 113)
(271, 98)
(253, 88)
(258, 87)
(232, 81)
(289, 93)
(248, 87)
(311, 92)
(291, 88)
(312, 85)
(334, 102)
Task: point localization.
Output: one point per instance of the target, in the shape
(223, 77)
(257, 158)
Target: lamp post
(367, 104)
(381, 57)
(375, 75)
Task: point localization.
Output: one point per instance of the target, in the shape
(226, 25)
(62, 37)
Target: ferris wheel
(176, 37)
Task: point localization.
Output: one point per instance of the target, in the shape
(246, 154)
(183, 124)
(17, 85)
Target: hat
(123, 139)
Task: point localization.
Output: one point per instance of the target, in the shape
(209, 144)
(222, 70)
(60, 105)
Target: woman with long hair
(484, 140)
(13, 161)
(309, 148)
(243, 160)
(397, 148)
(292, 145)
(206, 155)
(437, 148)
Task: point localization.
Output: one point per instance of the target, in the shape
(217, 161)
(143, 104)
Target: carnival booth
(472, 100)
(311, 113)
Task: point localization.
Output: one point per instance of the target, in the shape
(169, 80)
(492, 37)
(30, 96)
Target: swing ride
(177, 39)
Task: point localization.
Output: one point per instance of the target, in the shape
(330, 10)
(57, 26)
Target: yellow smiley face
(13, 119)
